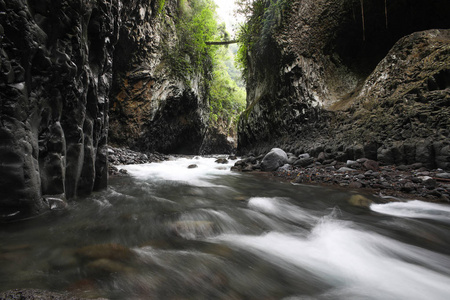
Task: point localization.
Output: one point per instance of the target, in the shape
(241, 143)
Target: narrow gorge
(136, 162)
(348, 79)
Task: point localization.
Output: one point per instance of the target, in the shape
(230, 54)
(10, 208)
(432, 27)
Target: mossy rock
(360, 201)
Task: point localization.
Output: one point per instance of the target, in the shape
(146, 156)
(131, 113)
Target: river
(172, 232)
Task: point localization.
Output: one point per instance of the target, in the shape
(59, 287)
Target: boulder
(274, 159)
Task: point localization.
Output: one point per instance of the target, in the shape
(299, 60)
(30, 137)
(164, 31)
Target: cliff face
(310, 75)
(56, 69)
(152, 108)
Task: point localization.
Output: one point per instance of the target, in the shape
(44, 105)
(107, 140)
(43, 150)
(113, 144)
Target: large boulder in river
(274, 159)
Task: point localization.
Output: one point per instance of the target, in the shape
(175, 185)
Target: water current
(172, 232)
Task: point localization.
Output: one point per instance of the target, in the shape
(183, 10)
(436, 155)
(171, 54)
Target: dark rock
(321, 157)
(55, 202)
(193, 166)
(249, 168)
(221, 161)
(303, 162)
(371, 165)
(429, 183)
(216, 142)
(34, 294)
(355, 185)
(304, 156)
(352, 164)
(345, 169)
(408, 187)
(443, 175)
(274, 159)
(54, 87)
(416, 180)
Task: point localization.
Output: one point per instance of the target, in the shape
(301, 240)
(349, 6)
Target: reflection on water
(173, 232)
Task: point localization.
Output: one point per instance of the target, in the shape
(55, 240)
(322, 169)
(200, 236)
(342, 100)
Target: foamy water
(171, 232)
(415, 209)
(178, 170)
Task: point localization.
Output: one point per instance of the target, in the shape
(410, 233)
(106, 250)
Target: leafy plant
(191, 55)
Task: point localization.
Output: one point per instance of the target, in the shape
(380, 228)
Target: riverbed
(189, 228)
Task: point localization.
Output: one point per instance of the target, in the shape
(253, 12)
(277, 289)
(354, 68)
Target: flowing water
(171, 232)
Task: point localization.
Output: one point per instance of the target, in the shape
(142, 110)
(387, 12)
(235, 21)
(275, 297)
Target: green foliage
(227, 99)
(160, 6)
(195, 25)
(263, 18)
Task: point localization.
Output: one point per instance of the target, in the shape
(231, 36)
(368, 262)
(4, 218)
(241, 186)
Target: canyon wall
(154, 108)
(322, 77)
(56, 70)
(74, 71)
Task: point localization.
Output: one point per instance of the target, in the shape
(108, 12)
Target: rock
(355, 185)
(408, 187)
(273, 160)
(286, 168)
(345, 169)
(304, 155)
(371, 165)
(193, 166)
(321, 157)
(303, 162)
(443, 175)
(360, 200)
(292, 160)
(216, 142)
(352, 163)
(55, 85)
(221, 161)
(32, 294)
(56, 202)
(429, 183)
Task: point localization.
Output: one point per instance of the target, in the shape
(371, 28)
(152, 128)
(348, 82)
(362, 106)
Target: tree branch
(222, 42)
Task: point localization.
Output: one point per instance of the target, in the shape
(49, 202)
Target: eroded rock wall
(56, 70)
(152, 108)
(308, 78)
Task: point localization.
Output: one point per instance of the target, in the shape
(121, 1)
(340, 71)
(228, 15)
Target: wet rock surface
(56, 69)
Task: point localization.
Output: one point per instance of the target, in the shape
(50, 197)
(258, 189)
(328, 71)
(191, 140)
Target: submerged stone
(359, 200)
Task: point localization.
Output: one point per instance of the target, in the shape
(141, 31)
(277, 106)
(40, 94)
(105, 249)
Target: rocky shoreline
(34, 294)
(126, 156)
(393, 182)
(389, 181)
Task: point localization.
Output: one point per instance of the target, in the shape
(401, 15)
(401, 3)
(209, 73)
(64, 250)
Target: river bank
(390, 181)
